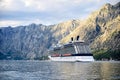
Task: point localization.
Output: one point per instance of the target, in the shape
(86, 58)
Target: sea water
(48, 70)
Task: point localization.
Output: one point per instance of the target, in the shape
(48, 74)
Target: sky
(24, 12)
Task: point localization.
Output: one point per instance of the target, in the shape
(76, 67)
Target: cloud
(11, 23)
(39, 5)
(11, 5)
(46, 11)
(15, 23)
(47, 5)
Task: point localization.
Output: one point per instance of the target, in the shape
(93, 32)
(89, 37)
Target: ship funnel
(71, 38)
(78, 38)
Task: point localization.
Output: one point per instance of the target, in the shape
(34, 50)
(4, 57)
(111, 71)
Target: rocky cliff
(32, 41)
(101, 29)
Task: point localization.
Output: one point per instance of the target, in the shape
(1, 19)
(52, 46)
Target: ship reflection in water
(47, 70)
(90, 71)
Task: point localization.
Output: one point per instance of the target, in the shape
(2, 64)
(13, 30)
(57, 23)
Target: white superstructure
(72, 58)
(73, 51)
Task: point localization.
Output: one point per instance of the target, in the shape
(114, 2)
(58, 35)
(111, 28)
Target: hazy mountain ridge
(101, 30)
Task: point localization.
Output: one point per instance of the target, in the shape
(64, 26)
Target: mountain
(98, 24)
(101, 30)
(32, 41)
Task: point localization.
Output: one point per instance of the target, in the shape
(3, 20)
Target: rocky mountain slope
(32, 41)
(101, 29)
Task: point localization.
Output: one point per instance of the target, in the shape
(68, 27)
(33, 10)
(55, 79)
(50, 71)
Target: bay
(48, 70)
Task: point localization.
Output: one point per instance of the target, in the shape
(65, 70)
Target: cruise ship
(75, 50)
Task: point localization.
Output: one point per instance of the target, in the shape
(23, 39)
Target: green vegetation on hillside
(41, 58)
(107, 54)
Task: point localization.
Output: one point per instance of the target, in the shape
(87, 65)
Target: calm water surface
(47, 70)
